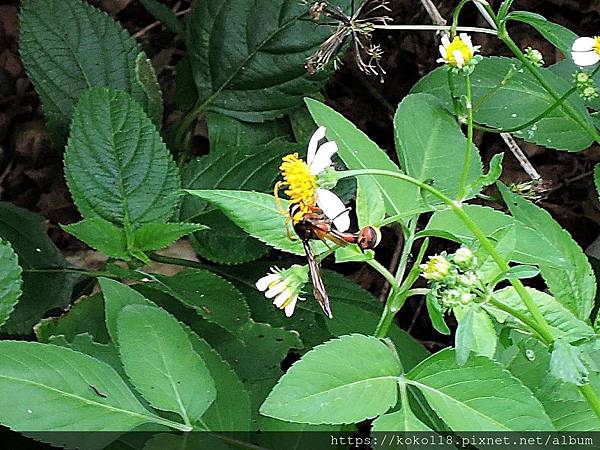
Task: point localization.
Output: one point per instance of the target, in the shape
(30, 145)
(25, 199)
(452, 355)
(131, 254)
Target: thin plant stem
(467, 164)
(82, 272)
(435, 28)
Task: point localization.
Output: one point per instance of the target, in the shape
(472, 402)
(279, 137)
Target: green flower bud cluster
(454, 280)
(535, 56)
(586, 85)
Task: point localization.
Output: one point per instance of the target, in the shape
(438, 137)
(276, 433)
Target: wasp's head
(369, 238)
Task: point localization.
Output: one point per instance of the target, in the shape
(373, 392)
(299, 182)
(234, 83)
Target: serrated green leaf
(226, 133)
(559, 36)
(213, 298)
(359, 152)
(101, 235)
(10, 281)
(85, 315)
(119, 169)
(164, 15)
(231, 409)
(146, 77)
(42, 291)
(566, 364)
(244, 167)
(491, 221)
(256, 213)
(116, 297)
(229, 64)
(574, 285)
(475, 333)
(156, 236)
(506, 96)
(479, 396)
(431, 146)
(563, 321)
(67, 46)
(345, 380)
(172, 377)
(50, 388)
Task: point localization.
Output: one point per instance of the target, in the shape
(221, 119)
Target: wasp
(317, 226)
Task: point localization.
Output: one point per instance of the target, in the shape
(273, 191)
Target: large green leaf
(256, 213)
(10, 281)
(212, 297)
(42, 291)
(359, 152)
(172, 377)
(345, 380)
(506, 96)
(248, 58)
(528, 241)
(244, 167)
(67, 46)
(231, 409)
(479, 396)
(574, 285)
(50, 388)
(116, 164)
(225, 132)
(431, 147)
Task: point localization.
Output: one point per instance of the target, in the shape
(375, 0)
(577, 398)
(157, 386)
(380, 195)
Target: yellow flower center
(301, 184)
(597, 44)
(461, 46)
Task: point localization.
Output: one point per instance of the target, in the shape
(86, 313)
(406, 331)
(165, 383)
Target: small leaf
(101, 235)
(566, 364)
(119, 169)
(156, 236)
(559, 36)
(50, 388)
(67, 46)
(475, 333)
(326, 387)
(479, 396)
(146, 77)
(370, 208)
(164, 15)
(403, 421)
(352, 253)
(10, 281)
(42, 291)
(172, 377)
(436, 315)
(517, 273)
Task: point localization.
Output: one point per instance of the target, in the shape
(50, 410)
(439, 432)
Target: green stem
(435, 28)
(592, 398)
(409, 240)
(178, 261)
(467, 164)
(455, 17)
(519, 315)
(82, 272)
(384, 273)
(503, 35)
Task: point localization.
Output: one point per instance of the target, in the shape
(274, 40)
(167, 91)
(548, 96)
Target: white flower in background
(586, 51)
(302, 181)
(458, 53)
(284, 286)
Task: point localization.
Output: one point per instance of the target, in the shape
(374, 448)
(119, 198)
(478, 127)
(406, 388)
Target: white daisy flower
(458, 53)
(284, 286)
(302, 181)
(586, 51)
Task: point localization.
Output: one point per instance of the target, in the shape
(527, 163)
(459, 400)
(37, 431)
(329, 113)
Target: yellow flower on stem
(301, 182)
(458, 53)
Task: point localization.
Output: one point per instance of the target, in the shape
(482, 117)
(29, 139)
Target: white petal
(583, 44)
(314, 143)
(584, 59)
(333, 208)
(279, 287)
(322, 159)
(265, 281)
(467, 40)
(441, 60)
(445, 40)
(281, 298)
(443, 52)
(460, 61)
(289, 309)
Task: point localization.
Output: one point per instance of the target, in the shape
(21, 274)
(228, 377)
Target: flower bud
(436, 269)
(463, 257)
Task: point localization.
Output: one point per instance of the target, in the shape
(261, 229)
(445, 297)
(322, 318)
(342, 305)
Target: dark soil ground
(31, 170)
